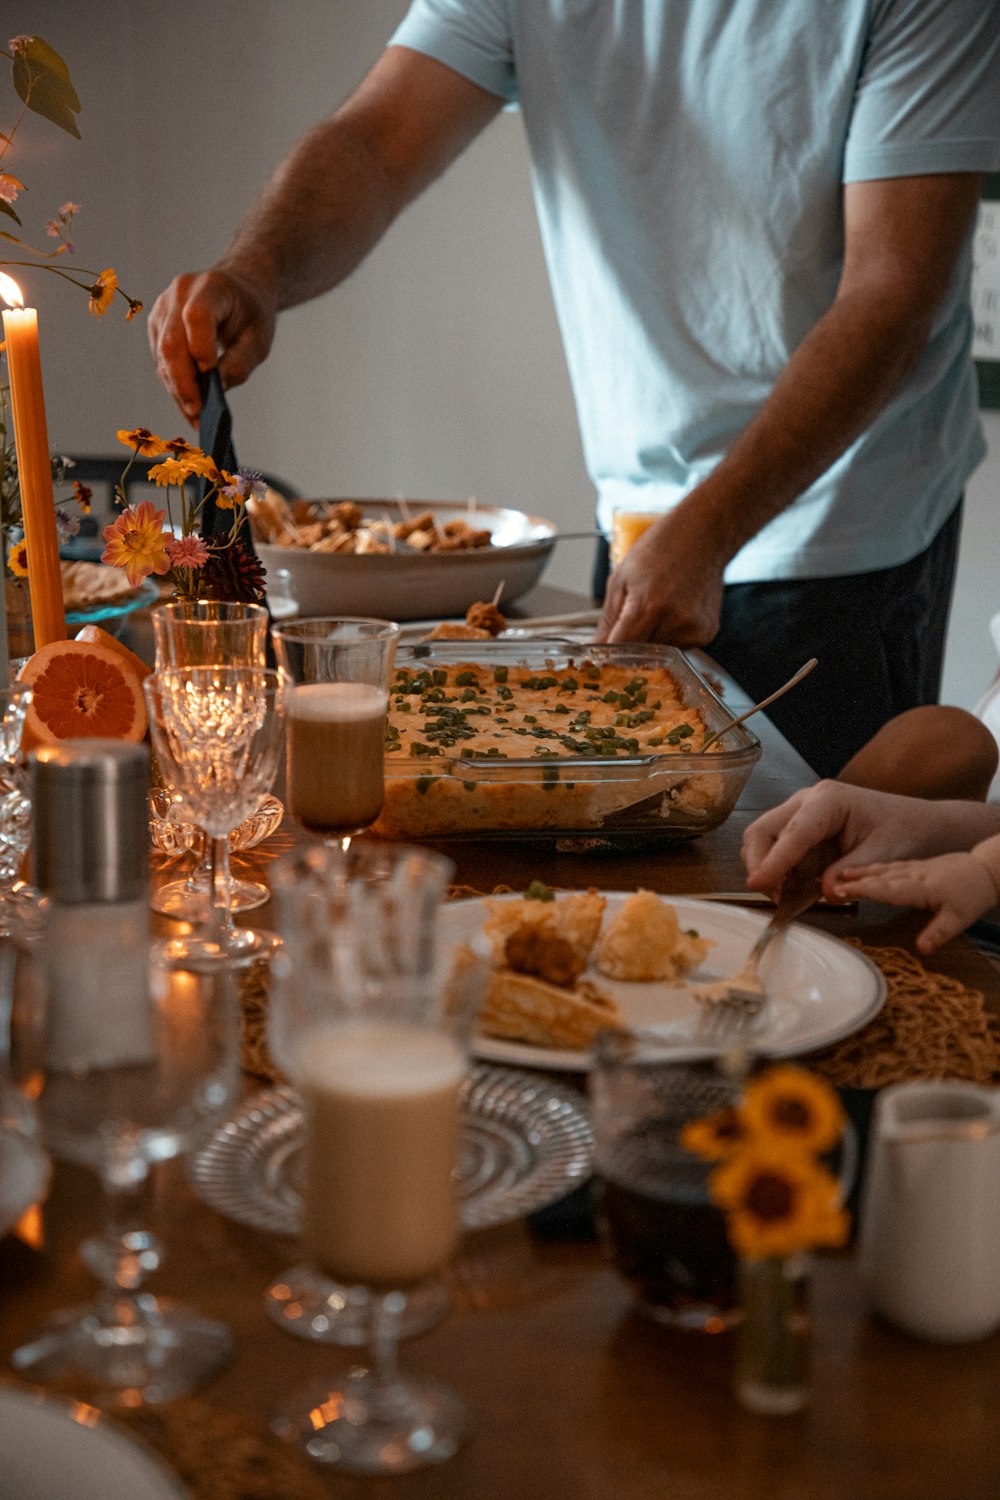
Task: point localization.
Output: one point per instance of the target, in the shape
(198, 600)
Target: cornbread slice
(522, 1008)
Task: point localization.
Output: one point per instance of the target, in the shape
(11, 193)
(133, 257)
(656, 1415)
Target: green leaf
(42, 81)
(5, 208)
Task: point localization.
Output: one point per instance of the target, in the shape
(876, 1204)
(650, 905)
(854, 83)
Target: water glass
(118, 1088)
(655, 1216)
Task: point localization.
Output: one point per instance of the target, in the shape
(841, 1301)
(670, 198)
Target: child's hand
(958, 888)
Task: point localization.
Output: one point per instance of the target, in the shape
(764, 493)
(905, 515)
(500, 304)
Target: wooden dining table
(572, 1394)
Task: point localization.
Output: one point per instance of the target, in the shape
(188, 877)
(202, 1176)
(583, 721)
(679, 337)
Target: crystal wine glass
(217, 732)
(117, 1088)
(373, 1032)
(341, 669)
(205, 633)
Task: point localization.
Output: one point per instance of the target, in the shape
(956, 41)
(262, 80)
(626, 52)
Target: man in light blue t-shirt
(757, 218)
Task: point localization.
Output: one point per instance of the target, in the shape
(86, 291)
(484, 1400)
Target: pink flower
(9, 187)
(20, 43)
(69, 209)
(187, 552)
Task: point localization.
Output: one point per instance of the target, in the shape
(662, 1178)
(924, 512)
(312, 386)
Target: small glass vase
(772, 1363)
(20, 629)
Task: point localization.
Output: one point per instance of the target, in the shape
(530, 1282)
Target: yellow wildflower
(103, 291)
(17, 559)
(142, 440)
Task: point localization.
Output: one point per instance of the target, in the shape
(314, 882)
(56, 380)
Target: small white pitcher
(930, 1215)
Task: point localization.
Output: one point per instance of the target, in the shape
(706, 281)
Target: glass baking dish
(450, 785)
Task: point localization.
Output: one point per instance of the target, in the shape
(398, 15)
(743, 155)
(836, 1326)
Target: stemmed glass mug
(341, 668)
(118, 1088)
(372, 1029)
(313, 915)
(217, 732)
(205, 633)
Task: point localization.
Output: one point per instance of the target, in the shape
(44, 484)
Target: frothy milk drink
(335, 755)
(381, 1102)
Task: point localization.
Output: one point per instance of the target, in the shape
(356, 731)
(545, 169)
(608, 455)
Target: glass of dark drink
(341, 669)
(654, 1211)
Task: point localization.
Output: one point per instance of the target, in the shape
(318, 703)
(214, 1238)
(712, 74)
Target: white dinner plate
(819, 988)
(24, 1178)
(51, 1449)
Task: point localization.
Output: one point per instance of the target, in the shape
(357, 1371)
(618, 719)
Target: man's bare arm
(902, 239)
(324, 209)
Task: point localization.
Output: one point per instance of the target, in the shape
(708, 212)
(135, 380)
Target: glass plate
(526, 1142)
(99, 614)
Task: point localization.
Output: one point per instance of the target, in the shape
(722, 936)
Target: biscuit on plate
(643, 941)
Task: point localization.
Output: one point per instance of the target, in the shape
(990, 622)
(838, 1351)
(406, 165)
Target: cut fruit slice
(93, 635)
(81, 691)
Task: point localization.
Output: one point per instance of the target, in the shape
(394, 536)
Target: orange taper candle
(34, 468)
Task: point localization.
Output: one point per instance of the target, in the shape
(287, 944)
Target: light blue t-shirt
(688, 158)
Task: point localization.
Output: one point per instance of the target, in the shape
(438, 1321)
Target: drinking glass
(206, 633)
(15, 808)
(373, 1031)
(654, 1212)
(119, 1087)
(310, 891)
(341, 669)
(627, 526)
(217, 733)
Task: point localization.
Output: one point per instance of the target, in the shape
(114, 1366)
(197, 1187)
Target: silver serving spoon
(778, 693)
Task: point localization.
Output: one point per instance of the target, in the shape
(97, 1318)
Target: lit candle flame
(10, 291)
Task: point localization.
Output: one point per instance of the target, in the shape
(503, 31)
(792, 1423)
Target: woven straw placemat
(931, 1026)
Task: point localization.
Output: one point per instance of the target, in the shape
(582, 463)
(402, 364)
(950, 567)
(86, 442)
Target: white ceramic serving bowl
(420, 585)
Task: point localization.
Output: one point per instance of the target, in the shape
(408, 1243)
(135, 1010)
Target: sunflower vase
(773, 1348)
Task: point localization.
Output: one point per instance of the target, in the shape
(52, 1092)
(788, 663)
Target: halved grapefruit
(81, 691)
(95, 636)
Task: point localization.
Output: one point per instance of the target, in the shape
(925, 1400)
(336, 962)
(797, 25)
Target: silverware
(797, 677)
(733, 1005)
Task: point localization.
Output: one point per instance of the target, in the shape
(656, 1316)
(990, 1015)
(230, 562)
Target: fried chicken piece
(485, 617)
(574, 918)
(533, 950)
(348, 513)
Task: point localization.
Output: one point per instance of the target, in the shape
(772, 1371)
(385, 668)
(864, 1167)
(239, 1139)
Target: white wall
(436, 370)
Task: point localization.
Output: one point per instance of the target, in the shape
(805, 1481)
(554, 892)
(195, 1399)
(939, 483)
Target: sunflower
(788, 1107)
(716, 1136)
(776, 1203)
(17, 559)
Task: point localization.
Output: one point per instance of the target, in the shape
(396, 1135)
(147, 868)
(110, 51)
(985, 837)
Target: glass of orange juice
(627, 526)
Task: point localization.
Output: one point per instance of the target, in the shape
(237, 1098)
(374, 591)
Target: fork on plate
(732, 1007)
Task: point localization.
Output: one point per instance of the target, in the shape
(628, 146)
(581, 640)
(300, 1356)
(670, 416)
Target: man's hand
(203, 320)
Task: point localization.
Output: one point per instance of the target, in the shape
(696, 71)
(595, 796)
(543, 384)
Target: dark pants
(878, 638)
